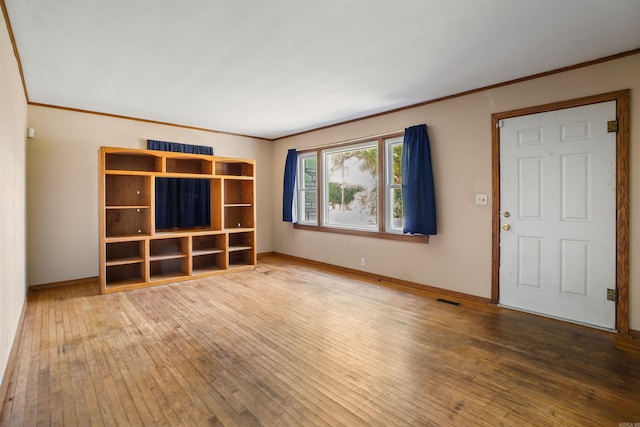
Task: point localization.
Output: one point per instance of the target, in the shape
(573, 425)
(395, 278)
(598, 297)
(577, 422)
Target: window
(353, 188)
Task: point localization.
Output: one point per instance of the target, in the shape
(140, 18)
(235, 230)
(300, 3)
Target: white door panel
(557, 195)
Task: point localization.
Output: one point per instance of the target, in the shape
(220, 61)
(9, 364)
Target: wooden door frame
(622, 99)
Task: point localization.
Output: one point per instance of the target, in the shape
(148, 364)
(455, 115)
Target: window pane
(393, 169)
(308, 206)
(397, 164)
(395, 223)
(310, 171)
(351, 187)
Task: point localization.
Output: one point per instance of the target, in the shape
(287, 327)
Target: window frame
(383, 231)
(325, 183)
(300, 189)
(390, 186)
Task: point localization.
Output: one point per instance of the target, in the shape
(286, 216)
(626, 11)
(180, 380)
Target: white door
(558, 214)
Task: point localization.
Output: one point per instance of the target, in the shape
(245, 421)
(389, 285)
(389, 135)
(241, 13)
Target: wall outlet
(363, 262)
(481, 199)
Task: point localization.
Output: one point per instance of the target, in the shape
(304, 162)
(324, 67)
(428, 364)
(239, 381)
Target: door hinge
(612, 295)
(500, 123)
(612, 126)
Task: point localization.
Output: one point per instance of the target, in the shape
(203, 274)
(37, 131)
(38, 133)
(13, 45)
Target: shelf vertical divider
(102, 231)
(151, 221)
(188, 250)
(147, 264)
(217, 204)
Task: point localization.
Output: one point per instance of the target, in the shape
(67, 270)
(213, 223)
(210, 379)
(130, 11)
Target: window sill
(362, 233)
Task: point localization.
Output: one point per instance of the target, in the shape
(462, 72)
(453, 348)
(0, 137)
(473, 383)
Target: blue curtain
(182, 202)
(418, 195)
(289, 185)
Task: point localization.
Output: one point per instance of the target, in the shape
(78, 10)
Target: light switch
(481, 199)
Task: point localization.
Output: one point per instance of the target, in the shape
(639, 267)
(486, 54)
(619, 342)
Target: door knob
(506, 227)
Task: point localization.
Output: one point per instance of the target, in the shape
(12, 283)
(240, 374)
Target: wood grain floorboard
(291, 344)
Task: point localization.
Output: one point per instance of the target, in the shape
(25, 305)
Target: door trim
(622, 99)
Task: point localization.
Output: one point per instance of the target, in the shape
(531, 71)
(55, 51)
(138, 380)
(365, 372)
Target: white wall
(13, 123)
(459, 257)
(62, 184)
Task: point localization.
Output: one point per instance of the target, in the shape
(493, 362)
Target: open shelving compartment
(132, 161)
(208, 253)
(238, 217)
(124, 275)
(232, 167)
(125, 263)
(168, 257)
(127, 201)
(125, 221)
(242, 249)
(127, 252)
(238, 192)
(181, 165)
(127, 190)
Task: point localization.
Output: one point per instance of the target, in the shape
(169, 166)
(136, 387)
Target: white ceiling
(270, 68)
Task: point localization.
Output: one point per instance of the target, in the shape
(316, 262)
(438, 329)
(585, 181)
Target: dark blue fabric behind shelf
(182, 202)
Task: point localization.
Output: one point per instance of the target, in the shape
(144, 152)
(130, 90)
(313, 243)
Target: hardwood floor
(291, 344)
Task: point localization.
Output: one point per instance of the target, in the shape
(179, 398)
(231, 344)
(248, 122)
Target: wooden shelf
(239, 248)
(185, 232)
(207, 252)
(123, 261)
(168, 277)
(241, 266)
(124, 284)
(207, 271)
(134, 254)
(166, 256)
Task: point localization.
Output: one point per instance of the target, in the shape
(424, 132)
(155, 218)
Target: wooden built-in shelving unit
(134, 254)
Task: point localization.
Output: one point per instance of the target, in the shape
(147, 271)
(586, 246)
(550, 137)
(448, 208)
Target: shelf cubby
(238, 216)
(163, 269)
(121, 222)
(127, 190)
(241, 258)
(238, 192)
(189, 166)
(241, 241)
(209, 263)
(208, 244)
(230, 167)
(160, 249)
(129, 252)
(126, 161)
(124, 274)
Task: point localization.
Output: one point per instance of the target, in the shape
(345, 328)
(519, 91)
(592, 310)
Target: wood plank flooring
(290, 344)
